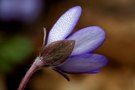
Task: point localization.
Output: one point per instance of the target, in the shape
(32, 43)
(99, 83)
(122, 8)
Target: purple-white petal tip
(77, 8)
(85, 63)
(102, 32)
(65, 24)
(87, 39)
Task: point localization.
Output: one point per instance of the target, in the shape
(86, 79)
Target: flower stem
(35, 66)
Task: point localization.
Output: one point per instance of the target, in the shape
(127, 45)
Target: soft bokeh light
(23, 10)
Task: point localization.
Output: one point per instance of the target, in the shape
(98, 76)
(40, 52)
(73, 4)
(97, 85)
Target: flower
(86, 40)
(69, 53)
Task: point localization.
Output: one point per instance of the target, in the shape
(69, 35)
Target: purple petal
(65, 24)
(87, 39)
(93, 72)
(85, 63)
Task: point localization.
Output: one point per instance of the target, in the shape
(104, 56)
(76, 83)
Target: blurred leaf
(14, 51)
(5, 66)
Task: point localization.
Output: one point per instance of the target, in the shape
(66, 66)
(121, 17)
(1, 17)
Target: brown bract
(57, 52)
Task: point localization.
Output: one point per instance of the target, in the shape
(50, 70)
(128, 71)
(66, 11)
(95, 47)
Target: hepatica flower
(67, 53)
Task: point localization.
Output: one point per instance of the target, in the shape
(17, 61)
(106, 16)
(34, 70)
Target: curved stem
(35, 66)
(27, 77)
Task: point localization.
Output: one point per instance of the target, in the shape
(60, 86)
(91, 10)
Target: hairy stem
(35, 66)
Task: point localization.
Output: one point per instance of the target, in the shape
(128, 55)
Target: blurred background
(21, 33)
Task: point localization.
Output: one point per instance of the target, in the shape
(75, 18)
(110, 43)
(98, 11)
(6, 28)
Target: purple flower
(69, 53)
(86, 40)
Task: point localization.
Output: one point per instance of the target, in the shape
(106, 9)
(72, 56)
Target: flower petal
(93, 72)
(85, 63)
(65, 24)
(87, 39)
